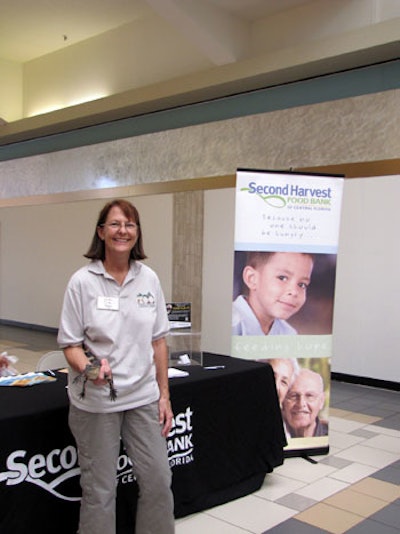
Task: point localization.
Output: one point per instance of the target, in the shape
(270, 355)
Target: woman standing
(114, 307)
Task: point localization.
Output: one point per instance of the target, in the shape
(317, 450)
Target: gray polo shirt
(118, 323)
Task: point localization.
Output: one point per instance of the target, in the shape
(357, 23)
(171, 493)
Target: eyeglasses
(297, 397)
(129, 226)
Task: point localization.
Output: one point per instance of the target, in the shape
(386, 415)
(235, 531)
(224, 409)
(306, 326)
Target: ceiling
(232, 46)
(33, 28)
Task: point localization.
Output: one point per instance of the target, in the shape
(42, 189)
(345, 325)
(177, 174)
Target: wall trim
(57, 131)
(29, 326)
(363, 169)
(366, 381)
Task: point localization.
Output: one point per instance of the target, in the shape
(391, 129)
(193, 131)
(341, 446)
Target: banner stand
(286, 241)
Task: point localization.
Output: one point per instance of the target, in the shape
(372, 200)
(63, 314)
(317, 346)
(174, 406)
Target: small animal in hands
(91, 372)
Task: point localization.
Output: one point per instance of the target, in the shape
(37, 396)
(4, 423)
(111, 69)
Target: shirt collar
(97, 267)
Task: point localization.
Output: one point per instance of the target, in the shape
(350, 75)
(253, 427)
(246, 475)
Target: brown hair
(257, 259)
(97, 249)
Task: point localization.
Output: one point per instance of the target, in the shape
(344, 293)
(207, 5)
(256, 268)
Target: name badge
(108, 303)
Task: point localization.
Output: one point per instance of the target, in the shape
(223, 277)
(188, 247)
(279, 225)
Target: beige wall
(366, 332)
(10, 90)
(41, 246)
(219, 220)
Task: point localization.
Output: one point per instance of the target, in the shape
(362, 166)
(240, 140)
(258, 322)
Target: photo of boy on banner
(283, 293)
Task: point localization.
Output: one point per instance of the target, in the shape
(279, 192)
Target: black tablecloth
(228, 434)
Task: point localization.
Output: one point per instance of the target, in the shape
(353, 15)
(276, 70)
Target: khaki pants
(98, 440)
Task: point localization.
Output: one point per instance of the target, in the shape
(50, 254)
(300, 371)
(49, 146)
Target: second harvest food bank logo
(290, 195)
(55, 472)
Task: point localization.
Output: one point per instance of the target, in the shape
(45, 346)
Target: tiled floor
(354, 489)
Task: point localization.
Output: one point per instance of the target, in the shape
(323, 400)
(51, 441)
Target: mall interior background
(323, 97)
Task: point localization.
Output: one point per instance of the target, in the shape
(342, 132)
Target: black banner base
(306, 453)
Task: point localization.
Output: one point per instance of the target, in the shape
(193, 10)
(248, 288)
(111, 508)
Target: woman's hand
(164, 404)
(104, 373)
(166, 415)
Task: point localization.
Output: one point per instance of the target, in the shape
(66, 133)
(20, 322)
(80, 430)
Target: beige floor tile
(386, 443)
(363, 418)
(300, 469)
(368, 456)
(329, 518)
(201, 523)
(321, 489)
(344, 425)
(276, 486)
(333, 449)
(383, 430)
(378, 488)
(337, 412)
(353, 473)
(252, 513)
(357, 503)
(341, 440)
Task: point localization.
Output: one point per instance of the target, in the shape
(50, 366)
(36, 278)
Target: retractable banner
(286, 241)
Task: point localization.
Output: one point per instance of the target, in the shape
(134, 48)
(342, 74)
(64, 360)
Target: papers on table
(27, 379)
(176, 373)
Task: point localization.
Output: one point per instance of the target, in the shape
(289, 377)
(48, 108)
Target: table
(228, 434)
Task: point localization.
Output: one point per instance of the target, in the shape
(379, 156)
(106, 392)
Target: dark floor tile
(346, 386)
(361, 433)
(345, 391)
(333, 461)
(392, 422)
(356, 405)
(373, 410)
(339, 396)
(380, 395)
(376, 411)
(366, 399)
(396, 502)
(293, 526)
(394, 406)
(372, 527)
(388, 474)
(388, 516)
(296, 502)
(396, 464)
(343, 405)
(388, 394)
